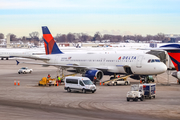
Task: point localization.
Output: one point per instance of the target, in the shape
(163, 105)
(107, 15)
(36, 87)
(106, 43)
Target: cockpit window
(152, 60)
(157, 60)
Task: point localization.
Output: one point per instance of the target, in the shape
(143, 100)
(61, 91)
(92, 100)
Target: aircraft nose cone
(162, 68)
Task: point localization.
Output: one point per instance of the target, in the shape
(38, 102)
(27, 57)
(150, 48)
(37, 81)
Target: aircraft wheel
(115, 84)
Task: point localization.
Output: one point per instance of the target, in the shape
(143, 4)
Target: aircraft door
(139, 61)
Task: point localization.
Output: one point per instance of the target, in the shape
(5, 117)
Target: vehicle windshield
(134, 88)
(87, 82)
(23, 68)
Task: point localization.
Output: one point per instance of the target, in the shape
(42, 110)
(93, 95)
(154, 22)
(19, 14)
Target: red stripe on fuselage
(50, 40)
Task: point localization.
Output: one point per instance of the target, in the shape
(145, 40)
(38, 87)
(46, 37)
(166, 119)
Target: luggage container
(141, 91)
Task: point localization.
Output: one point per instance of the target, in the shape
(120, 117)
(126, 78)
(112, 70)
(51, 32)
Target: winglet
(17, 62)
(49, 42)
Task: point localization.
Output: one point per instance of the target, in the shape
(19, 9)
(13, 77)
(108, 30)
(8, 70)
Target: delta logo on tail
(49, 42)
(174, 53)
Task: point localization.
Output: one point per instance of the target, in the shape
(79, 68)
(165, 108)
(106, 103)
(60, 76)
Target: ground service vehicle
(141, 91)
(149, 79)
(47, 81)
(120, 81)
(83, 84)
(24, 70)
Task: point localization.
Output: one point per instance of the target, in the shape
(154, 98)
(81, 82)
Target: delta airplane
(98, 64)
(9, 53)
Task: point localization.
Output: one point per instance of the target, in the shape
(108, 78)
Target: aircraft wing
(35, 57)
(63, 65)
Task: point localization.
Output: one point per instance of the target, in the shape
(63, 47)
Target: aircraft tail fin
(49, 42)
(174, 53)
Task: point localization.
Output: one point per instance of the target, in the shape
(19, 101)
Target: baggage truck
(149, 90)
(141, 91)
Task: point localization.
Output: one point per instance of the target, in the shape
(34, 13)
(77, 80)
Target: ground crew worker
(59, 79)
(48, 76)
(94, 80)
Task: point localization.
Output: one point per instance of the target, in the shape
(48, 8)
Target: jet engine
(176, 74)
(93, 73)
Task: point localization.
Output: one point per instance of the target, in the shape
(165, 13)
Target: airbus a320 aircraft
(90, 65)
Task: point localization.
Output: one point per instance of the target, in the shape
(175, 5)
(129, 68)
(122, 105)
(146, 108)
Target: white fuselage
(115, 63)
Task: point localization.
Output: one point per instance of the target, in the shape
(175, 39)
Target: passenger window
(81, 83)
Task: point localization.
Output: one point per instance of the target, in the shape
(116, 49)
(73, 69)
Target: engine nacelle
(93, 73)
(176, 74)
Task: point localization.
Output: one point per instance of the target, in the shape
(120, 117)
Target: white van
(83, 84)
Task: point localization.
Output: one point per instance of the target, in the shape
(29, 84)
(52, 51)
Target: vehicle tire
(152, 80)
(127, 99)
(19, 72)
(126, 83)
(30, 72)
(142, 98)
(24, 72)
(83, 90)
(115, 84)
(154, 97)
(93, 91)
(150, 97)
(68, 90)
(39, 84)
(49, 84)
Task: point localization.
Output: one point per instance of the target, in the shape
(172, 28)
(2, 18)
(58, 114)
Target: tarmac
(29, 101)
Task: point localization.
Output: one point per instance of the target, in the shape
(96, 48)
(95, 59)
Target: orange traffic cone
(14, 82)
(103, 84)
(18, 83)
(57, 83)
(100, 83)
(140, 81)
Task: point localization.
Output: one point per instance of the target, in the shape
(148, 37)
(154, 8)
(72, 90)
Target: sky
(117, 17)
